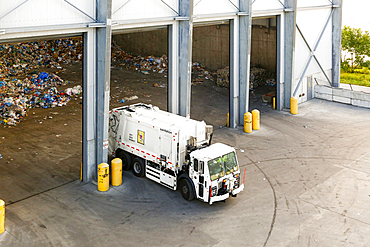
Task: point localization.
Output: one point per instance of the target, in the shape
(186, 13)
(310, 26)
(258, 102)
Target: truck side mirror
(196, 165)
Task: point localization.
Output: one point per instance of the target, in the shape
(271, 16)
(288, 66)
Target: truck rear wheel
(138, 167)
(125, 157)
(186, 189)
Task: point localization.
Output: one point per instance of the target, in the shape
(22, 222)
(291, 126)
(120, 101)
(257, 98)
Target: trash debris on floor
(130, 98)
(267, 98)
(159, 85)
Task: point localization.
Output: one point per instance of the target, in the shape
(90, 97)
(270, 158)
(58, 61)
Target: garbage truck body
(174, 151)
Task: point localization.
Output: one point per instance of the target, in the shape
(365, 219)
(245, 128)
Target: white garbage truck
(174, 151)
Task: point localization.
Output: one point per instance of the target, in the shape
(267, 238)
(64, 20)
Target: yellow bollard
(256, 119)
(103, 177)
(273, 103)
(228, 120)
(293, 105)
(248, 122)
(81, 172)
(2, 216)
(116, 172)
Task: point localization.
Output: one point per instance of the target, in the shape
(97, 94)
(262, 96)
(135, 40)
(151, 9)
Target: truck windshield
(218, 166)
(230, 163)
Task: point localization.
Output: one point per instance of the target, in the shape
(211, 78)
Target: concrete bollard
(2, 216)
(293, 105)
(103, 177)
(248, 122)
(116, 172)
(256, 119)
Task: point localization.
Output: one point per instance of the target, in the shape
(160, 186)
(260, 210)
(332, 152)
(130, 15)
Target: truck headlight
(214, 190)
(237, 182)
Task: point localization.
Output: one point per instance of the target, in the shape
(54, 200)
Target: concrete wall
(263, 52)
(210, 45)
(144, 43)
(341, 95)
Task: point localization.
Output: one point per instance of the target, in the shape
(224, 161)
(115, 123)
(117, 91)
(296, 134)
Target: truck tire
(138, 167)
(126, 159)
(186, 189)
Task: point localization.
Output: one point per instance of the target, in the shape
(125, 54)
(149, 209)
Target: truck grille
(237, 182)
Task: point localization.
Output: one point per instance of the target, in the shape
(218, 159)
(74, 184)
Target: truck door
(198, 177)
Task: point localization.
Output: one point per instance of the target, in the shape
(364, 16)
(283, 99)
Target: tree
(355, 44)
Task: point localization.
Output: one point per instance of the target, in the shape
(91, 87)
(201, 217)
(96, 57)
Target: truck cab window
(195, 165)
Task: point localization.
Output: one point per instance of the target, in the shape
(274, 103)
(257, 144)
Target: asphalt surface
(307, 184)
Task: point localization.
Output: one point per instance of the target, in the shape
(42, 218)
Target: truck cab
(215, 173)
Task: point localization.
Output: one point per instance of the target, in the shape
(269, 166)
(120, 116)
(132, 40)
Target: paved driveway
(307, 184)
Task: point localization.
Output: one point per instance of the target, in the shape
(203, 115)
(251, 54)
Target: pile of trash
(149, 64)
(17, 96)
(22, 58)
(36, 90)
(223, 77)
(258, 77)
(139, 63)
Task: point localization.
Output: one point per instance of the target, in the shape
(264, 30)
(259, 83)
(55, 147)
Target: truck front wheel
(138, 167)
(187, 190)
(125, 157)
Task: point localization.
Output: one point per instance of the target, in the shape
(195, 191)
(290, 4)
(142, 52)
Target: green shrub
(357, 78)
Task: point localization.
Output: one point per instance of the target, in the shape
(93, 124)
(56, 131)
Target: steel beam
(234, 73)
(336, 42)
(80, 10)
(103, 58)
(88, 109)
(173, 78)
(279, 64)
(185, 56)
(289, 49)
(245, 34)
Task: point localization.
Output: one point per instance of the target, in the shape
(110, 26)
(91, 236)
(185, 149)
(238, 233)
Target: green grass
(355, 79)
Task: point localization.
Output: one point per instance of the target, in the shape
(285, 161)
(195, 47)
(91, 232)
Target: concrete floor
(307, 184)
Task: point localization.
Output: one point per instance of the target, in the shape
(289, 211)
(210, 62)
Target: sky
(356, 14)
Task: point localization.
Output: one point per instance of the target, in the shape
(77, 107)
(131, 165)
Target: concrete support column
(245, 34)
(103, 59)
(173, 68)
(336, 41)
(289, 49)
(88, 112)
(234, 73)
(185, 56)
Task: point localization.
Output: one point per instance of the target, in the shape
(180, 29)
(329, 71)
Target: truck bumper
(236, 191)
(224, 197)
(218, 198)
